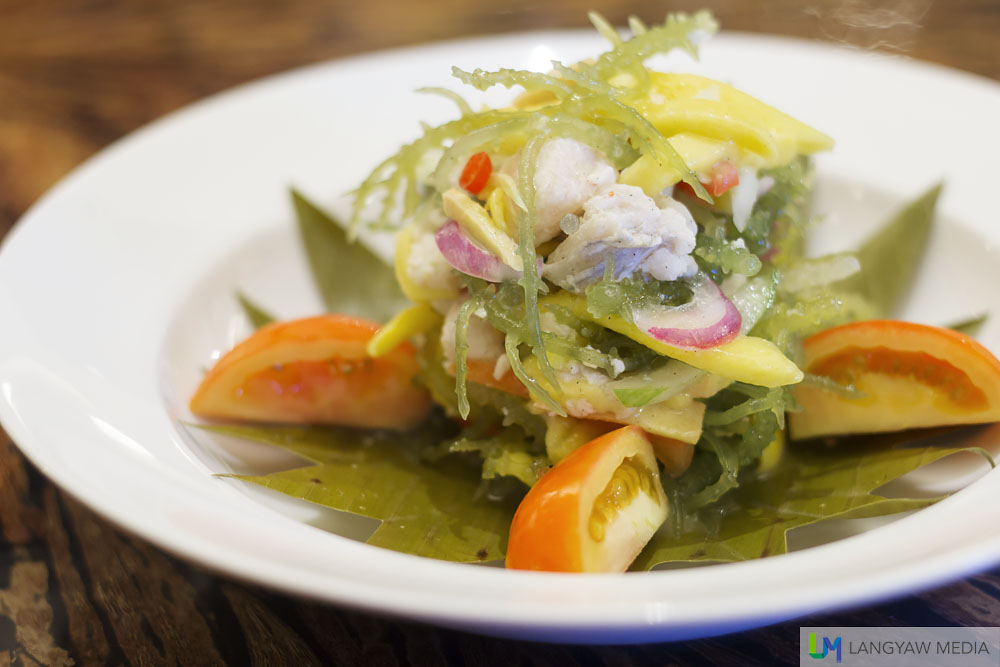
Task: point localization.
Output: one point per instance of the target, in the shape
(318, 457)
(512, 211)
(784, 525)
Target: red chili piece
(724, 176)
(476, 172)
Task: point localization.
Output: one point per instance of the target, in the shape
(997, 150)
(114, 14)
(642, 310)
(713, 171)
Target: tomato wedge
(909, 376)
(593, 511)
(316, 371)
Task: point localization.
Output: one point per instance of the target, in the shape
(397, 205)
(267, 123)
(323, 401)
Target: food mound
(611, 307)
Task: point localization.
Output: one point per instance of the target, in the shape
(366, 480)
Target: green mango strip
(258, 316)
(890, 258)
(811, 483)
(638, 397)
(971, 326)
(426, 510)
(351, 279)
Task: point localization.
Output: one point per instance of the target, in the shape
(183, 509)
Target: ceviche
(602, 344)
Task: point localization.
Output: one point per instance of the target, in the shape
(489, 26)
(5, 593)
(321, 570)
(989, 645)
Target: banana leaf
(258, 316)
(889, 260)
(427, 509)
(351, 279)
(970, 326)
(433, 509)
(813, 482)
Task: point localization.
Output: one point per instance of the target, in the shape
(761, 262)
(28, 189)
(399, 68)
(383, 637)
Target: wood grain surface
(76, 75)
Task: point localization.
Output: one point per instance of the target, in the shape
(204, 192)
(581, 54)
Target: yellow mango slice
(403, 326)
(565, 434)
(745, 358)
(699, 153)
(679, 103)
(476, 222)
(773, 453)
(501, 211)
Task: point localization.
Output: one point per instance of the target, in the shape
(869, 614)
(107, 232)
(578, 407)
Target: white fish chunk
(626, 224)
(567, 174)
(485, 342)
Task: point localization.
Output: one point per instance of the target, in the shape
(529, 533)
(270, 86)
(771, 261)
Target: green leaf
(638, 397)
(811, 483)
(351, 279)
(889, 259)
(258, 316)
(506, 453)
(970, 326)
(434, 509)
(426, 510)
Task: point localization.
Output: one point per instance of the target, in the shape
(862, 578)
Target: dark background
(76, 75)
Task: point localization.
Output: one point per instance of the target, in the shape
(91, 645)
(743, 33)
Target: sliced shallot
(708, 320)
(468, 257)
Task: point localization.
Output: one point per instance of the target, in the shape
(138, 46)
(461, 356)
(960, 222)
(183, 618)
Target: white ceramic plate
(115, 291)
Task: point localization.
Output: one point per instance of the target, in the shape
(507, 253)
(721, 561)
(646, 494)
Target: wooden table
(75, 76)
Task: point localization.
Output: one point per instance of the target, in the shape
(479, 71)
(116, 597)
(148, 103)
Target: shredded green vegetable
(678, 31)
(831, 385)
(506, 453)
(461, 354)
(530, 280)
(585, 93)
(780, 216)
(396, 176)
(463, 106)
(624, 296)
(795, 318)
(511, 343)
(723, 257)
(741, 421)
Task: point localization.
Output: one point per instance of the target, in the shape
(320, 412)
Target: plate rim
(643, 623)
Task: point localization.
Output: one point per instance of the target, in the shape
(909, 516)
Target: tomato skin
(481, 372)
(911, 375)
(476, 173)
(550, 528)
(723, 177)
(314, 371)
(550, 512)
